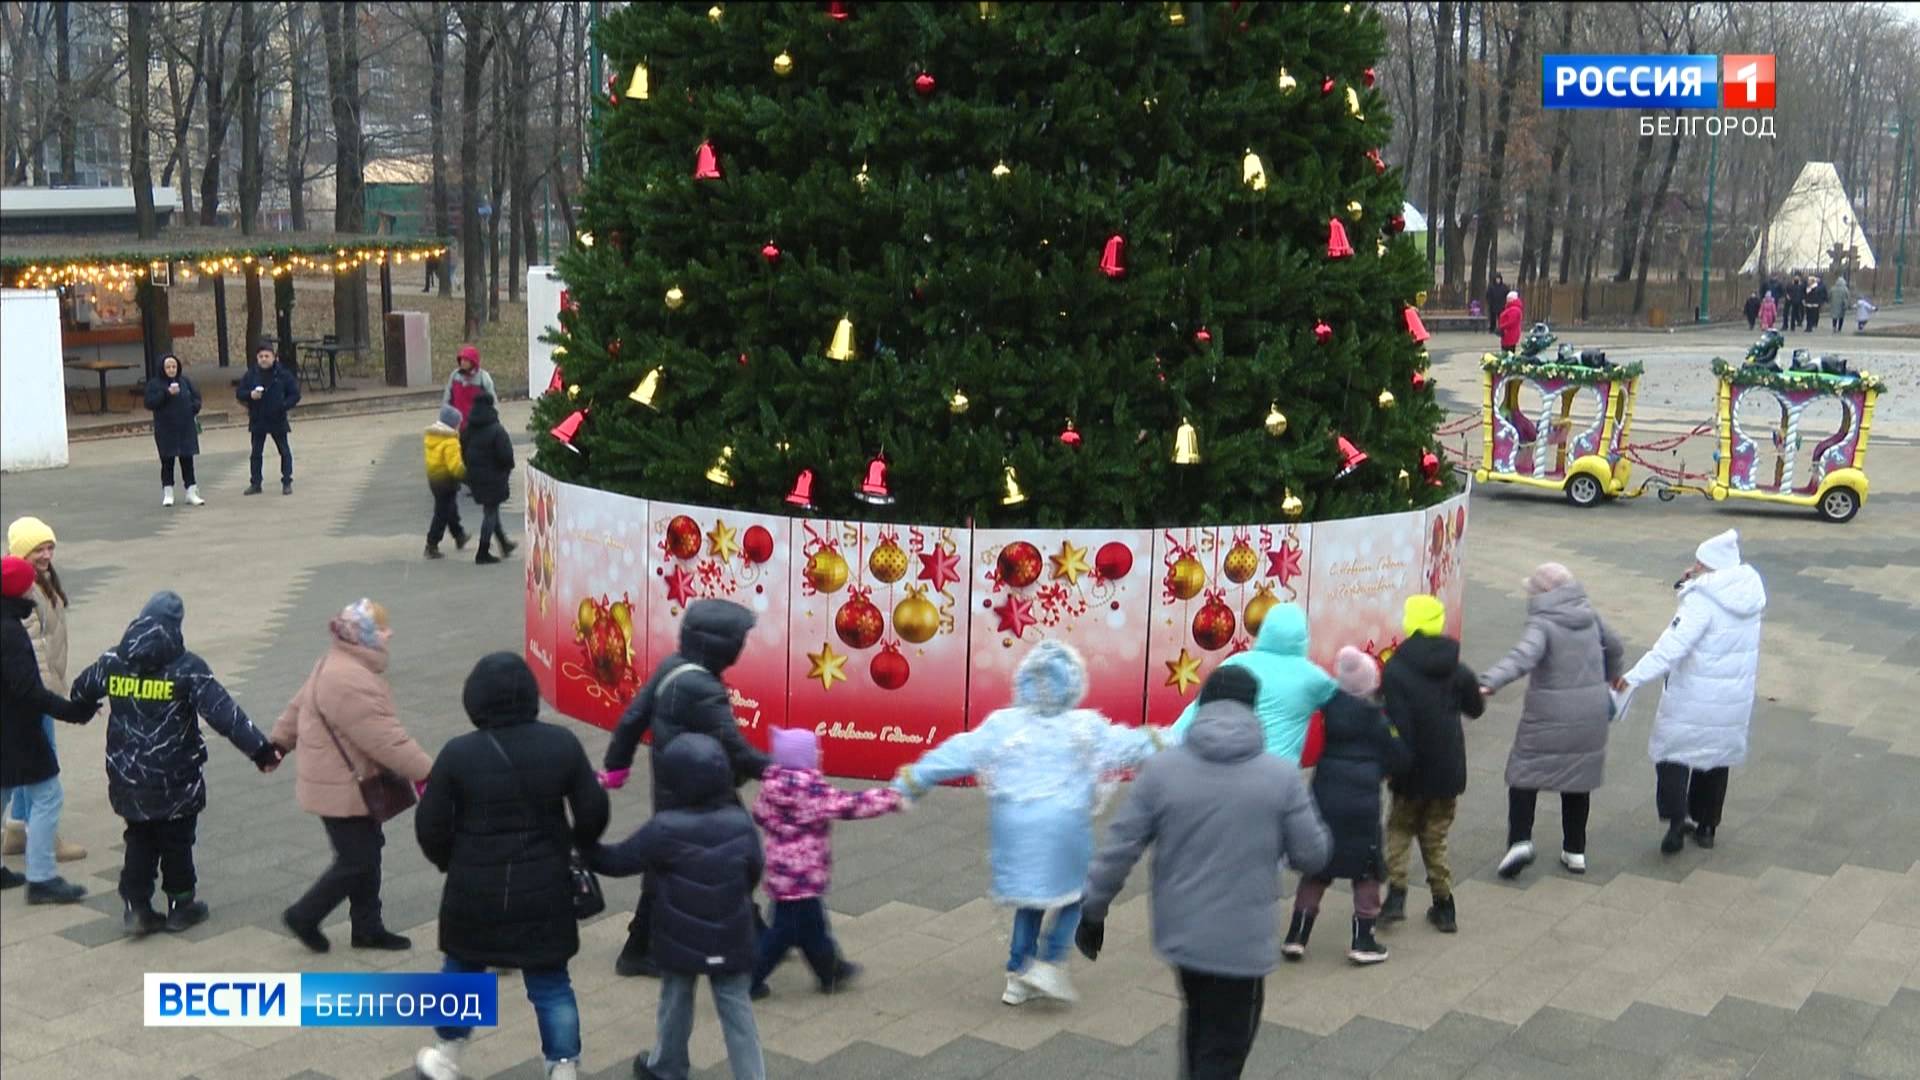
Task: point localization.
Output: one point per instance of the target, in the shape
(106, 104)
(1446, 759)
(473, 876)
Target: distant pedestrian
(1511, 320)
(1569, 656)
(1221, 817)
(31, 539)
(487, 451)
(1816, 298)
(27, 764)
(1496, 299)
(1865, 309)
(1769, 310)
(175, 404)
(467, 383)
(344, 722)
(160, 694)
(445, 470)
(1708, 659)
(433, 267)
(1752, 308)
(504, 809)
(1796, 301)
(269, 391)
(1842, 295)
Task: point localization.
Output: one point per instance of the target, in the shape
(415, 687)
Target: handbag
(386, 794)
(583, 885)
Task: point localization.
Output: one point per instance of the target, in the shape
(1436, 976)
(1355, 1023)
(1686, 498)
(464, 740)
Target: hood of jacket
(1051, 679)
(1346, 718)
(1433, 657)
(695, 773)
(1565, 606)
(16, 607)
(714, 632)
(1226, 731)
(439, 429)
(501, 692)
(154, 638)
(1736, 590)
(1284, 631)
(484, 412)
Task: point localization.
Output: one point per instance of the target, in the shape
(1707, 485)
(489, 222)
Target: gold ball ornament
(915, 618)
(1241, 562)
(1287, 82)
(1385, 399)
(675, 298)
(1257, 608)
(1276, 420)
(958, 403)
(1186, 577)
(573, 391)
(783, 64)
(861, 178)
(1291, 506)
(1420, 298)
(714, 13)
(1355, 210)
(827, 571)
(1403, 480)
(887, 562)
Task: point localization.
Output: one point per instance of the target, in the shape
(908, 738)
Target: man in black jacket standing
(269, 391)
(685, 694)
(1496, 299)
(26, 756)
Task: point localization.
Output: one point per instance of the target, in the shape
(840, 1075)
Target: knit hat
(1357, 672)
(470, 352)
(1230, 682)
(360, 623)
(450, 416)
(16, 576)
(25, 534)
(165, 606)
(1715, 553)
(1424, 615)
(796, 748)
(1547, 577)
(1513, 296)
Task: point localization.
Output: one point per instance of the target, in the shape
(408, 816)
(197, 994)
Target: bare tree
(478, 44)
(1456, 154)
(63, 86)
(339, 23)
(220, 101)
(139, 64)
(1493, 192)
(296, 169)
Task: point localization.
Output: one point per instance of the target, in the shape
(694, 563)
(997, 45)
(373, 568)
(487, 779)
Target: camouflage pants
(1427, 820)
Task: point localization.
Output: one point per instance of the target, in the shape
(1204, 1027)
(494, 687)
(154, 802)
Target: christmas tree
(1136, 262)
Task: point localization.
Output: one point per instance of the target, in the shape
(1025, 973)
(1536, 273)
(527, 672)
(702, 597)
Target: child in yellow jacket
(445, 470)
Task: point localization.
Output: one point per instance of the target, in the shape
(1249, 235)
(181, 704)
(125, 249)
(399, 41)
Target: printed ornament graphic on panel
(1087, 587)
(1213, 591)
(542, 609)
(599, 544)
(878, 661)
(1446, 571)
(697, 553)
(1363, 570)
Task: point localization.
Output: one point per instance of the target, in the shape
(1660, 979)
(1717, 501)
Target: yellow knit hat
(1425, 615)
(25, 534)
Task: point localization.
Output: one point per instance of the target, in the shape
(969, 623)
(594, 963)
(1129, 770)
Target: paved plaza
(1790, 951)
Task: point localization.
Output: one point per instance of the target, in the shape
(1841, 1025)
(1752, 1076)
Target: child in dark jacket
(1427, 689)
(703, 858)
(796, 809)
(1361, 750)
(158, 693)
(487, 451)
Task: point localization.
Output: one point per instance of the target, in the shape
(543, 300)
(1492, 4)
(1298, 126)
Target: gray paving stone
(1742, 1023)
(1557, 1035)
(1797, 1057)
(1363, 1045)
(1608, 1063)
(1701, 1059)
(860, 1061)
(1063, 1056)
(1831, 1018)
(1277, 1046)
(1648, 1029)
(1418, 1062)
(1154, 1056)
(1462, 1036)
(1888, 1056)
(965, 1058)
(1509, 1063)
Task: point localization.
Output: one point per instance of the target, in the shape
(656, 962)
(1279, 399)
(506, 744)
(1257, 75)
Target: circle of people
(514, 812)
(1797, 303)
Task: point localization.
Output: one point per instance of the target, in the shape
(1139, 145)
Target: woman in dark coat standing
(495, 818)
(1561, 743)
(487, 451)
(175, 402)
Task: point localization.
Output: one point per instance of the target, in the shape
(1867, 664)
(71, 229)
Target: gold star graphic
(827, 666)
(1070, 563)
(721, 541)
(1183, 672)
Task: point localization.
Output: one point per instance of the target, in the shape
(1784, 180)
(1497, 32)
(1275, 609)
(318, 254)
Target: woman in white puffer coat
(1710, 656)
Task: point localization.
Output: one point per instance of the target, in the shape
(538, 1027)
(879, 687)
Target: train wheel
(1583, 490)
(1839, 505)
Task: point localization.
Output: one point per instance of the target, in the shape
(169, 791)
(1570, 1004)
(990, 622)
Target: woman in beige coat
(347, 699)
(31, 539)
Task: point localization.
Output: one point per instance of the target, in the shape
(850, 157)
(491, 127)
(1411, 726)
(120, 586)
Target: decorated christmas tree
(1111, 264)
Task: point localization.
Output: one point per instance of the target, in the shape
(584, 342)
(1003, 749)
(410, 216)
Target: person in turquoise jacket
(1041, 761)
(1292, 687)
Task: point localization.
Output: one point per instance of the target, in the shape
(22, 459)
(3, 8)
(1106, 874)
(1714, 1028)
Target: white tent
(1815, 216)
(1416, 221)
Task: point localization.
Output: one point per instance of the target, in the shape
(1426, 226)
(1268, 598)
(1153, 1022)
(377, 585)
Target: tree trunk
(63, 90)
(1574, 217)
(1413, 92)
(1493, 195)
(1455, 260)
(217, 112)
(520, 226)
(251, 173)
(473, 20)
(340, 24)
(1629, 239)
(437, 114)
(1562, 139)
(139, 152)
(496, 175)
(296, 118)
(1442, 84)
(1653, 221)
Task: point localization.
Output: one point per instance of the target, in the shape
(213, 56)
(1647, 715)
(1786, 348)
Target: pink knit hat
(1358, 673)
(796, 748)
(1547, 577)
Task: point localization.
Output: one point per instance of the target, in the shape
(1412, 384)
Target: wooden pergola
(60, 260)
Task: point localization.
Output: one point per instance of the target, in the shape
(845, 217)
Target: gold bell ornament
(1403, 480)
(714, 13)
(783, 64)
(1291, 506)
(1001, 171)
(637, 87)
(1276, 420)
(1353, 103)
(648, 388)
(1186, 444)
(958, 403)
(1252, 172)
(1176, 15)
(841, 347)
(861, 178)
(675, 298)
(1287, 82)
(718, 474)
(1385, 399)
(1014, 496)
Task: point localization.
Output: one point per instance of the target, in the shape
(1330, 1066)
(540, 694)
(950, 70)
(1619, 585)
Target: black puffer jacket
(487, 450)
(159, 692)
(703, 859)
(1426, 689)
(280, 392)
(175, 432)
(1361, 750)
(25, 756)
(685, 694)
(495, 819)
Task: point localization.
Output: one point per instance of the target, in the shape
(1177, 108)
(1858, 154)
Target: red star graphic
(941, 567)
(680, 586)
(1015, 615)
(1284, 563)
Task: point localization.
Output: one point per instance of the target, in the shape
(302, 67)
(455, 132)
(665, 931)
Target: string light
(276, 263)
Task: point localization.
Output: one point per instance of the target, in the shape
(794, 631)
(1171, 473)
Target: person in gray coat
(1220, 813)
(1561, 743)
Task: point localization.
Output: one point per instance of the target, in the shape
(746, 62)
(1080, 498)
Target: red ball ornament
(683, 537)
(743, 360)
(1214, 624)
(613, 349)
(757, 544)
(923, 83)
(1326, 85)
(771, 253)
(1113, 561)
(1366, 78)
(1203, 336)
(1430, 469)
(1322, 333)
(1419, 380)
(1019, 564)
(1397, 224)
(858, 622)
(890, 669)
(1379, 163)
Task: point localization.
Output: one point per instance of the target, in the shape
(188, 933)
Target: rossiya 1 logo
(1631, 81)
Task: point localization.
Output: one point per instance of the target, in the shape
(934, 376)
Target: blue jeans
(44, 799)
(1027, 944)
(550, 993)
(22, 807)
(673, 1025)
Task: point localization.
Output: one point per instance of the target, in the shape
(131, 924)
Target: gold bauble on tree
(714, 13)
(1385, 400)
(783, 64)
(1186, 577)
(1355, 210)
(958, 403)
(1276, 420)
(915, 618)
(1420, 298)
(1291, 506)
(1252, 172)
(1287, 82)
(675, 298)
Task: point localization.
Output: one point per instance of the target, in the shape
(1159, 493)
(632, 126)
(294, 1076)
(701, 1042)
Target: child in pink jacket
(796, 809)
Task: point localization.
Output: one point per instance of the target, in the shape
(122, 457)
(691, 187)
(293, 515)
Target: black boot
(1365, 949)
(55, 890)
(459, 540)
(506, 546)
(1675, 839)
(433, 550)
(11, 880)
(1703, 836)
(1298, 932)
(184, 913)
(140, 919)
(1441, 915)
(844, 973)
(1395, 908)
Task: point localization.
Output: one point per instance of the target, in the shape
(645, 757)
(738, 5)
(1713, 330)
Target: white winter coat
(1710, 656)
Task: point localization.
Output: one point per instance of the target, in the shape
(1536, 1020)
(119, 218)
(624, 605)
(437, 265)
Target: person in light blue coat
(1292, 687)
(1041, 761)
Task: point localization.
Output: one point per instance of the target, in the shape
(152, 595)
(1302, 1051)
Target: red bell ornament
(802, 493)
(873, 490)
(837, 11)
(1337, 245)
(1419, 380)
(1322, 333)
(706, 162)
(1415, 328)
(558, 382)
(1351, 458)
(1113, 259)
(567, 429)
(1379, 163)
(1070, 437)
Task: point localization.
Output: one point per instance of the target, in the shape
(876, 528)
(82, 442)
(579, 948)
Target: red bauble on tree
(1366, 78)
(1214, 624)
(924, 83)
(858, 622)
(770, 252)
(1113, 561)
(1397, 224)
(1019, 564)
(1326, 85)
(683, 537)
(1203, 337)
(1322, 333)
(890, 669)
(757, 544)
(1379, 163)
